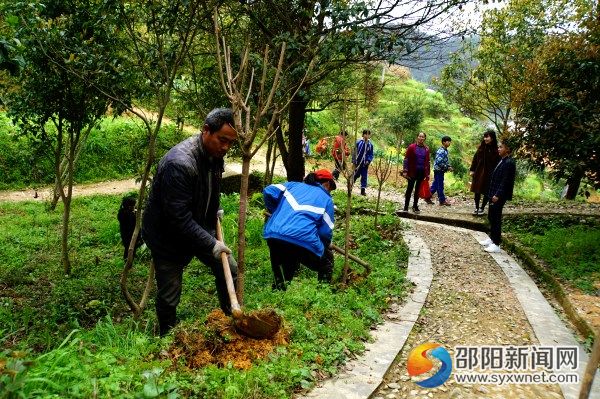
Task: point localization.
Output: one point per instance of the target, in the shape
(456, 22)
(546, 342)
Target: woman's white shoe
(486, 242)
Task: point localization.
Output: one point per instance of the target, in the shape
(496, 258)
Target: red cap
(324, 175)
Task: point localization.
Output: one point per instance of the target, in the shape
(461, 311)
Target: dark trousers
(413, 183)
(287, 257)
(169, 279)
(362, 171)
(438, 185)
(478, 199)
(340, 165)
(495, 218)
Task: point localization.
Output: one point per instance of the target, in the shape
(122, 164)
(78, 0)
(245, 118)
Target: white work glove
(218, 248)
(220, 214)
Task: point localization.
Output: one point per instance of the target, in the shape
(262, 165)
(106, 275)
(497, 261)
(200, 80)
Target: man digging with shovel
(180, 217)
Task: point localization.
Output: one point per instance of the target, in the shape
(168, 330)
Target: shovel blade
(263, 325)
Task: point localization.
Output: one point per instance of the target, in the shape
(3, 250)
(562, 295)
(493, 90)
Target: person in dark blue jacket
(300, 228)
(180, 218)
(362, 159)
(502, 182)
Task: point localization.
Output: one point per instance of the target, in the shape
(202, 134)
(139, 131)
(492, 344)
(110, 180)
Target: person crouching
(300, 228)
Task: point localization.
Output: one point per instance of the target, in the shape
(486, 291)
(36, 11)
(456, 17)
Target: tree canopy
(559, 121)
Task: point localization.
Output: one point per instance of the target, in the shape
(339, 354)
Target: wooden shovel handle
(235, 306)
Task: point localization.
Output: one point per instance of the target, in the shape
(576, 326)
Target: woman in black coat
(484, 161)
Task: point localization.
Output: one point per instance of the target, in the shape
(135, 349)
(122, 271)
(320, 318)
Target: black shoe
(362, 191)
(416, 209)
(429, 201)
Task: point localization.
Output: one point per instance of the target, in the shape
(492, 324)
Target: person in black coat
(180, 218)
(502, 182)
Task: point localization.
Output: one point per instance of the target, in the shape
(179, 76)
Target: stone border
(552, 284)
(548, 328)
(361, 377)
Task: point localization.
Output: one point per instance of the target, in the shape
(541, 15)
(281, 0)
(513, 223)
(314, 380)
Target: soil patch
(588, 306)
(218, 342)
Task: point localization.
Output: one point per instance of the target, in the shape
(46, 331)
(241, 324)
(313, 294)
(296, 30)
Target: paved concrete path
(361, 377)
(549, 328)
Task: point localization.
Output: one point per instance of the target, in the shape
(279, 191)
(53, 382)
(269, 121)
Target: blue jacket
(364, 153)
(301, 214)
(441, 162)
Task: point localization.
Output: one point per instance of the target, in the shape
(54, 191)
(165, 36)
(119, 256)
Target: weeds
(76, 337)
(568, 245)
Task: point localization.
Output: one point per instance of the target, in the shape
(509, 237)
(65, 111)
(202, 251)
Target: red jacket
(410, 161)
(336, 152)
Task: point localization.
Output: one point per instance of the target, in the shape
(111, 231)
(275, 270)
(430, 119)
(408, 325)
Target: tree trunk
(347, 233)
(273, 162)
(574, 181)
(64, 241)
(67, 205)
(63, 170)
(135, 308)
(378, 203)
(270, 153)
(283, 149)
(297, 112)
(242, 225)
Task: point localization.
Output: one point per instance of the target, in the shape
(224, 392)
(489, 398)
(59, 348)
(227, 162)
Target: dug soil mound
(218, 342)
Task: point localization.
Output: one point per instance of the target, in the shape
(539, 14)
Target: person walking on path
(484, 161)
(416, 167)
(502, 182)
(441, 165)
(340, 152)
(362, 159)
(180, 218)
(300, 227)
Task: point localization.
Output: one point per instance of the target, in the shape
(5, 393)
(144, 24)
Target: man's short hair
(366, 131)
(217, 118)
(446, 138)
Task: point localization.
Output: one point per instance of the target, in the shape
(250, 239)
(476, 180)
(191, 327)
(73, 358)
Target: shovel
(259, 325)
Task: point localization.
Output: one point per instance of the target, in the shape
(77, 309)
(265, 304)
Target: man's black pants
(495, 218)
(169, 278)
(287, 257)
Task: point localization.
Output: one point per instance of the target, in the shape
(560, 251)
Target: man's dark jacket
(180, 216)
(502, 180)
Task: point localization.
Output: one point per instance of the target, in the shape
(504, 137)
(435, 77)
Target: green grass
(568, 245)
(73, 337)
(115, 149)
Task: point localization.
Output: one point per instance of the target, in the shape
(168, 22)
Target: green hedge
(115, 149)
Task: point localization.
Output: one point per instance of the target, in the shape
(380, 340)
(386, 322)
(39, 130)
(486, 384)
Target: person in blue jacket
(300, 228)
(441, 165)
(362, 159)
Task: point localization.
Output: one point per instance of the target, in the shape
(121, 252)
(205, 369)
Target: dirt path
(470, 303)
(125, 185)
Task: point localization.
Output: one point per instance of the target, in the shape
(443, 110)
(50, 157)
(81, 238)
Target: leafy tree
(405, 121)
(482, 76)
(330, 36)
(559, 123)
(54, 38)
(160, 35)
